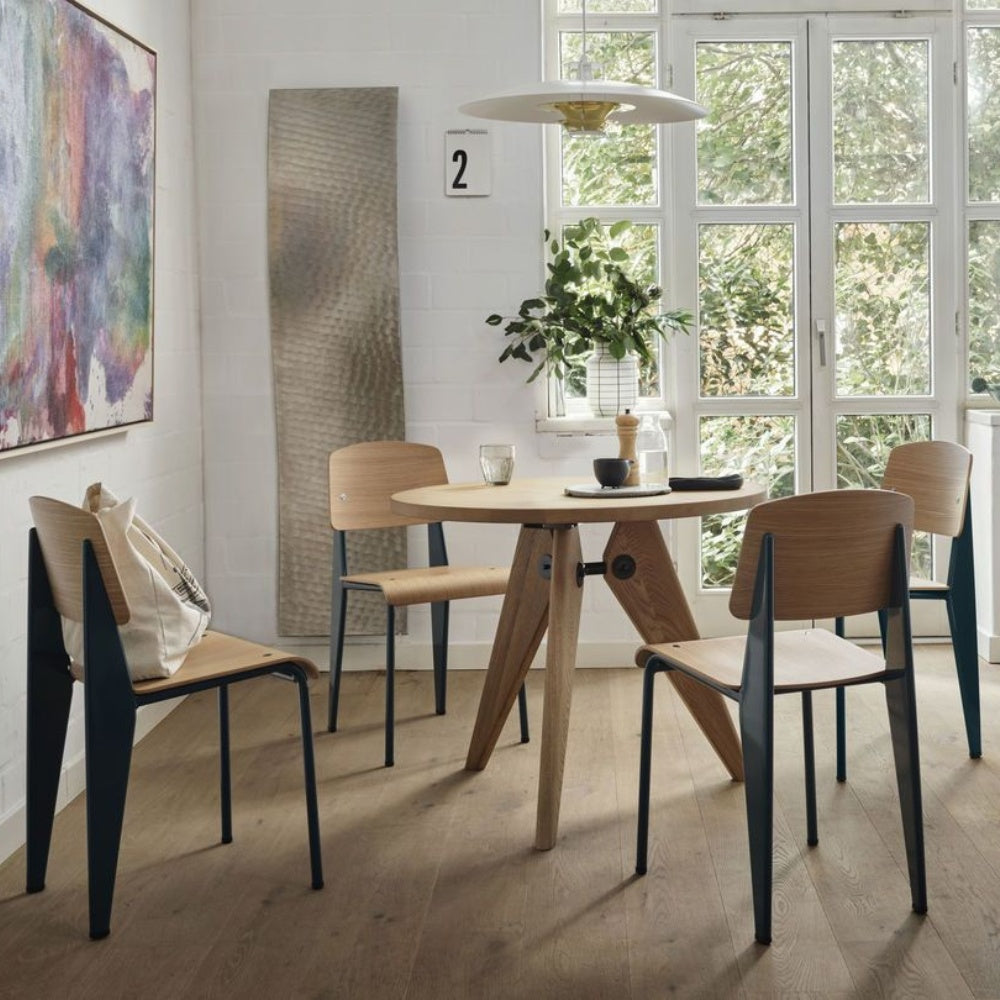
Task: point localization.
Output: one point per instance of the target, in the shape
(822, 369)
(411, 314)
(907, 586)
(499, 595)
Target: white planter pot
(612, 386)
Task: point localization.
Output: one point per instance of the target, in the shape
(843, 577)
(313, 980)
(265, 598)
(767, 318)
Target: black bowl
(611, 472)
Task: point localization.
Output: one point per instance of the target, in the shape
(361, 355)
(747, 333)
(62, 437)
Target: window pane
(881, 139)
(983, 98)
(608, 6)
(762, 448)
(745, 331)
(984, 300)
(863, 445)
(745, 143)
(642, 244)
(882, 303)
(982, 5)
(620, 167)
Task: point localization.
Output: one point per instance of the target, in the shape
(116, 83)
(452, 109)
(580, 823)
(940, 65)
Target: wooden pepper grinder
(628, 426)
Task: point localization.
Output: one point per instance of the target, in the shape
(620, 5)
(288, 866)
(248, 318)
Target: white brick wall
(460, 259)
(161, 463)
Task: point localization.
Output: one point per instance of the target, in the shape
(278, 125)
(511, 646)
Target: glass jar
(651, 448)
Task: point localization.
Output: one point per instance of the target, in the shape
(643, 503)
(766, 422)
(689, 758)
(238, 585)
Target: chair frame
(110, 705)
(341, 587)
(959, 596)
(755, 698)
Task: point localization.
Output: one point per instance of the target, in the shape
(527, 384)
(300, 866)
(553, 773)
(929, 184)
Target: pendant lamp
(586, 103)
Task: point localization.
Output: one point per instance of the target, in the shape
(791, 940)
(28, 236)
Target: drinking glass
(497, 463)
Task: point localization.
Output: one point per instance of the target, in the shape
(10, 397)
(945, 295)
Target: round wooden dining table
(544, 593)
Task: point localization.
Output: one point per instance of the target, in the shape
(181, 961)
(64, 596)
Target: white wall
(460, 259)
(159, 463)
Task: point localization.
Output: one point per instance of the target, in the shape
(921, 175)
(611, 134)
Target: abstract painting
(77, 151)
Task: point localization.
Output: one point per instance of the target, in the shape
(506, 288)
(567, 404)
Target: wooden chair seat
(219, 656)
(425, 585)
(918, 583)
(804, 660)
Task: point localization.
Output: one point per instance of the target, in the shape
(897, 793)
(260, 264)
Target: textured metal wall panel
(334, 290)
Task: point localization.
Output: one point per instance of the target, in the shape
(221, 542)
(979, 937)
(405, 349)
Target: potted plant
(593, 310)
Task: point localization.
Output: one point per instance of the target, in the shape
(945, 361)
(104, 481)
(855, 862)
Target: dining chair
(815, 556)
(71, 574)
(363, 478)
(936, 474)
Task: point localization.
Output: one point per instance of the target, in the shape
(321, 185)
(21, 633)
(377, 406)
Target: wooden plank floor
(433, 890)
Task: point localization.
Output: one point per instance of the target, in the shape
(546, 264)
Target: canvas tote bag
(169, 609)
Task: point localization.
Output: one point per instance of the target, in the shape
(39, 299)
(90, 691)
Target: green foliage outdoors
(741, 82)
(591, 298)
(746, 337)
(984, 300)
(983, 97)
(883, 309)
(619, 168)
(881, 121)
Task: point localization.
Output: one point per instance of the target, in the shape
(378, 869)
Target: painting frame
(77, 225)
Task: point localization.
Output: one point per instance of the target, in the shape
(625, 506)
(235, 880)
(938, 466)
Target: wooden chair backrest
(936, 474)
(364, 476)
(62, 529)
(833, 553)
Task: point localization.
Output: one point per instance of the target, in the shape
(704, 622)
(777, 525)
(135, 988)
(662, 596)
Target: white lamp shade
(537, 103)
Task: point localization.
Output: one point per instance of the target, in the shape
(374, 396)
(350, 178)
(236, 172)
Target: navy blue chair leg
(812, 836)
(390, 684)
(840, 696)
(109, 734)
(439, 636)
(522, 711)
(961, 603)
(309, 767)
(645, 766)
(49, 694)
(225, 773)
(109, 708)
(962, 619)
(50, 691)
(902, 704)
(757, 736)
(338, 618)
(756, 701)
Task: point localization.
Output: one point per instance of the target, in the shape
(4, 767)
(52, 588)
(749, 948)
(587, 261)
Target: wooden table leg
(566, 594)
(523, 620)
(649, 591)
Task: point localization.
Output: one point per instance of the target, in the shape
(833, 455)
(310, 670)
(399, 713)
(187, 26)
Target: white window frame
(665, 21)
(576, 416)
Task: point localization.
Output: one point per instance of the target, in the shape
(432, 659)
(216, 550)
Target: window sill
(587, 426)
(576, 426)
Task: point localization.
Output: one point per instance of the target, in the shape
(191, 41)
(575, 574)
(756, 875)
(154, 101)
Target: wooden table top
(543, 501)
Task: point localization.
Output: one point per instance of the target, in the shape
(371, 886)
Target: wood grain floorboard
(433, 889)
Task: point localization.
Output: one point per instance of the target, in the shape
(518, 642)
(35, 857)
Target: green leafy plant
(591, 299)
